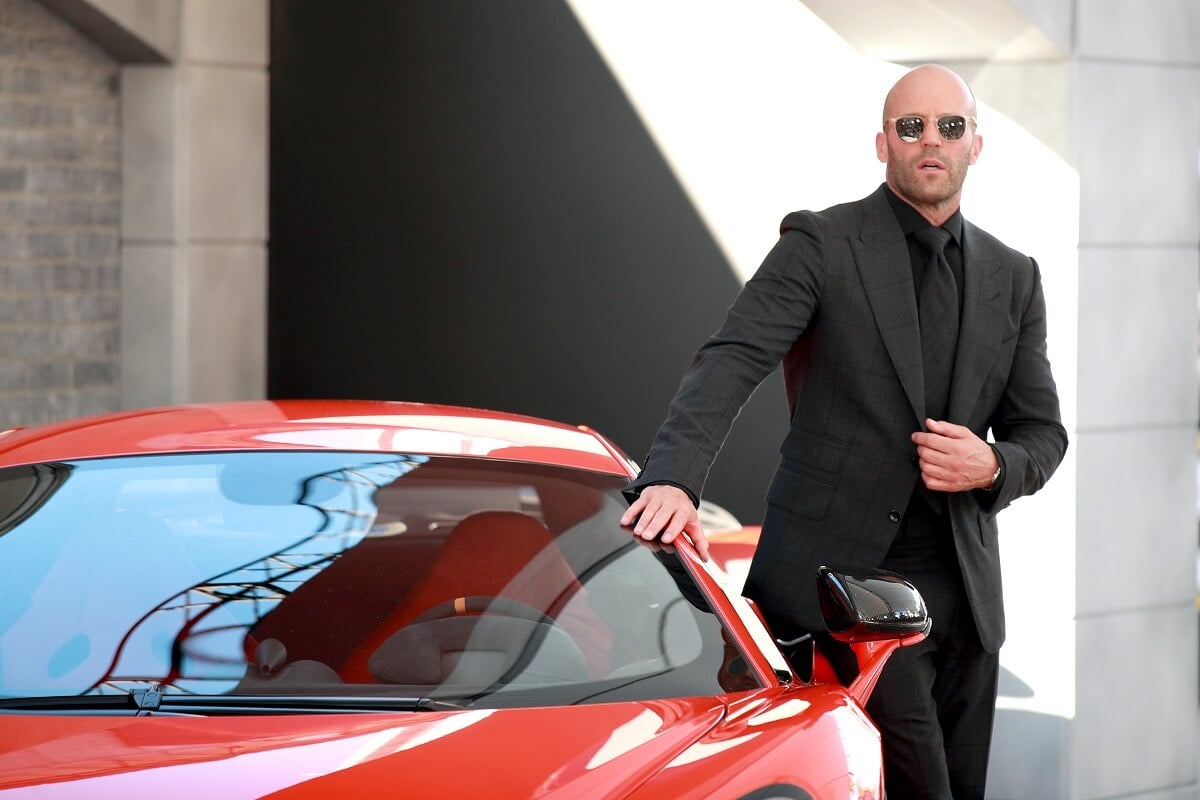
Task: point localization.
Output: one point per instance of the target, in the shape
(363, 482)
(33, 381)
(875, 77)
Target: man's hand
(953, 458)
(663, 512)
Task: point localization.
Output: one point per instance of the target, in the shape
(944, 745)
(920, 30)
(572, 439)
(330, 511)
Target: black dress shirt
(911, 220)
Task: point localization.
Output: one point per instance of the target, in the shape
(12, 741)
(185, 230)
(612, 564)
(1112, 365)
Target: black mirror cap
(865, 605)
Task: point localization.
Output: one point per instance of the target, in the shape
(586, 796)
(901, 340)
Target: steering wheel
(484, 604)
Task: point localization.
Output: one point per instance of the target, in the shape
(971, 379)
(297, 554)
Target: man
(906, 334)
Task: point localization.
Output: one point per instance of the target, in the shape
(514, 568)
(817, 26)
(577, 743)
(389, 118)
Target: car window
(474, 581)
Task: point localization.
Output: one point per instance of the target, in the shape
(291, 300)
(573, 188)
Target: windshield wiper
(300, 704)
(156, 698)
(137, 701)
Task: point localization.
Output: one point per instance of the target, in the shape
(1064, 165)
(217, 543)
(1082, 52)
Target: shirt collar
(911, 220)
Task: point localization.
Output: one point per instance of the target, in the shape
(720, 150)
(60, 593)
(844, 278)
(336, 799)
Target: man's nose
(930, 135)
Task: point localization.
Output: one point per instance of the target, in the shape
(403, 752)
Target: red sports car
(368, 599)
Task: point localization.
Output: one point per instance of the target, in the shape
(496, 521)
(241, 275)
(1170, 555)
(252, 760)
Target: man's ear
(976, 146)
(881, 151)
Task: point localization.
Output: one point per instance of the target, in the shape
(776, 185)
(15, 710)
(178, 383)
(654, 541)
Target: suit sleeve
(767, 317)
(1026, 424)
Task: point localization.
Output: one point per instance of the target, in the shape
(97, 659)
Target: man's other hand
(953, 458)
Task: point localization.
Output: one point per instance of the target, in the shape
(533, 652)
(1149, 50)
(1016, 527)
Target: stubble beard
(926, 190)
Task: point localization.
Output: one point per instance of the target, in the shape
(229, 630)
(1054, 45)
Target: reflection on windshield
(161, 522)
(315, 572)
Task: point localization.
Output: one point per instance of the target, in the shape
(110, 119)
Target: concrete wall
(1138, 243)
(60, 199)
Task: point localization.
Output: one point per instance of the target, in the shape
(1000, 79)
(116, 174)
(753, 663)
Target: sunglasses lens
(909, 128)
(952, 128)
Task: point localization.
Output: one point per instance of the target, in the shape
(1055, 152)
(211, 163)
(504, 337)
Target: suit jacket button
(894, 515)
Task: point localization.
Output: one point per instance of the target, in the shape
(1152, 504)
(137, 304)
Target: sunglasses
(951, 127)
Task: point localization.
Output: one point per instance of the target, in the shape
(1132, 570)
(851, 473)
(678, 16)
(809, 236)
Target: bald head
(925, 84)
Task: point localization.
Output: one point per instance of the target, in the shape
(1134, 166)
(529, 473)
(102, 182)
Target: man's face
(931, 170)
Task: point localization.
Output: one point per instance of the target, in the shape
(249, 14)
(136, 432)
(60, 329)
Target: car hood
(602, 751)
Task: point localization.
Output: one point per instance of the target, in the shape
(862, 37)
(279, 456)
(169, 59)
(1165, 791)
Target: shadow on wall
(1037, 742)
(465, 208)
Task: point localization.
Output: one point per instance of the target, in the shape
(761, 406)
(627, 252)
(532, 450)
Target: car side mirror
(870, 605)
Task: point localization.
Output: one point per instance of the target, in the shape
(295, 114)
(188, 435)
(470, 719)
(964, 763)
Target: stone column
(194, 217)
(1138, 67)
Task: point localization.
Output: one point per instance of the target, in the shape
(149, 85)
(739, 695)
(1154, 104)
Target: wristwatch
(995, 477)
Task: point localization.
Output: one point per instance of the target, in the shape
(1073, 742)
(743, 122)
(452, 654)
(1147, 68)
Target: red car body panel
(654, 749)
(373, 426)
(813, 736)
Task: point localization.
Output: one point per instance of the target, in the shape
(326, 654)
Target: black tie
(938, 312)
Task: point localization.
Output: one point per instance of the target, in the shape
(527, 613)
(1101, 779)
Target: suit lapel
(881, 255)
(984, 301)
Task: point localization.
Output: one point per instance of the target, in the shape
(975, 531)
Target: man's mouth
(930, 165)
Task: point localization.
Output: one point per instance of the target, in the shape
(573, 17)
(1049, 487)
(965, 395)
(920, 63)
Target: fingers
(660, 521)
(696, 533)
(943, 428)
(940, 435)
(941, 473)
(635, 509)
(946, 437)
(952, 457)
(654, 509)
(662, 513)
(664, 520)
(940, 479)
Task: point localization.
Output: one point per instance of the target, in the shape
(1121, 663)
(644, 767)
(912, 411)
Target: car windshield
(339, 575)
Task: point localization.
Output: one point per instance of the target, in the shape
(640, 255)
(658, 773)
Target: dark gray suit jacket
(834, 303)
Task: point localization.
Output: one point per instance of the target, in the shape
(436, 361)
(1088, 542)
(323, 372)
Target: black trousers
(935, 702)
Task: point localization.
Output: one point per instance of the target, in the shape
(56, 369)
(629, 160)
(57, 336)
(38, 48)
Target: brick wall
(60, 203)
